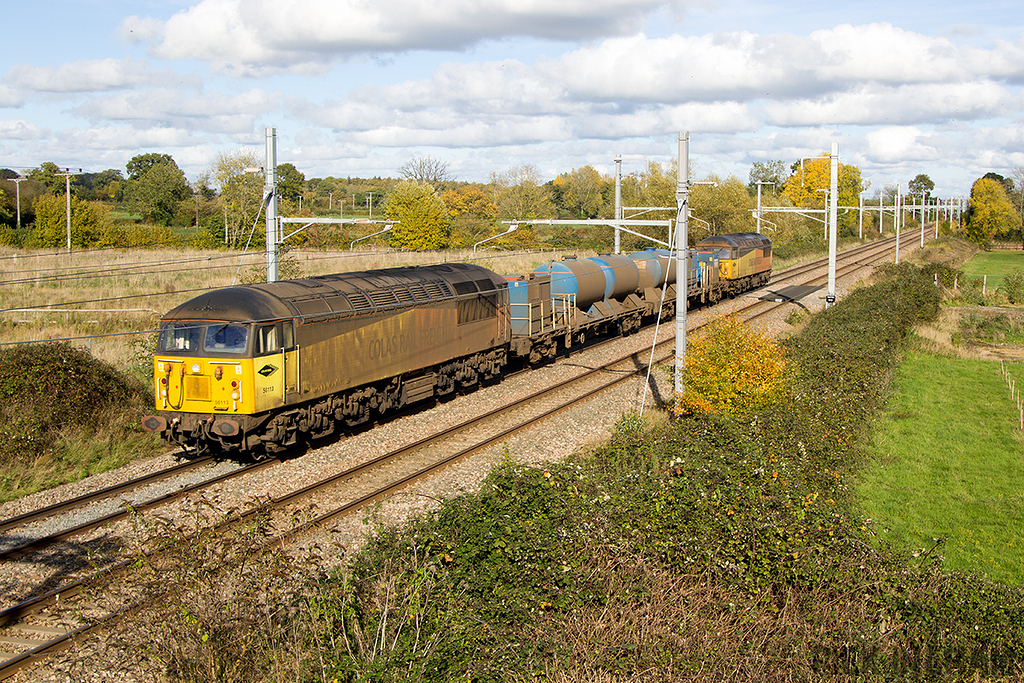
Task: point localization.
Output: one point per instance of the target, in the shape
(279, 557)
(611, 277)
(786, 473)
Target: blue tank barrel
(653, 264)
(620, 275)
(582, 279)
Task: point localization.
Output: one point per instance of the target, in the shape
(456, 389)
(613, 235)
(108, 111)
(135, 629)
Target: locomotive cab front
(210, 378)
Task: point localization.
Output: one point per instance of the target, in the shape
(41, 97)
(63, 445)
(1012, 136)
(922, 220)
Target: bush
(1013, 287)
(711, 549)
(48, 388)
(732, 369)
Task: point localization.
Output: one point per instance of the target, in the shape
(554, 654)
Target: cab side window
(288, 338)
(268, 340)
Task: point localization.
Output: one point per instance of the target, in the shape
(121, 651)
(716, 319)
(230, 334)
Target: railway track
(35, 627)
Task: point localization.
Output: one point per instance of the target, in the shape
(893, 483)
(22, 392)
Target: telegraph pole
(67, 202)
(833, 218)
(17, 192)
(618, 202)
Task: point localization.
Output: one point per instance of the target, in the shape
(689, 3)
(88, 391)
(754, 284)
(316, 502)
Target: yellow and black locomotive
(264, 365)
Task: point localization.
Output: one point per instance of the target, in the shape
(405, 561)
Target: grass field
(948, 462)
(995, 264)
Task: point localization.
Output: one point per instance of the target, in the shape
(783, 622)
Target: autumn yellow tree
(730, 369)
(991, 213)
(804, 188)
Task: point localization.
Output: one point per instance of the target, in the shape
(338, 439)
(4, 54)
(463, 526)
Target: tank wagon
(262, 367)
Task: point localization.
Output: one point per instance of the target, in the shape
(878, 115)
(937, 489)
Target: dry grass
(658, 625)
(49, 295)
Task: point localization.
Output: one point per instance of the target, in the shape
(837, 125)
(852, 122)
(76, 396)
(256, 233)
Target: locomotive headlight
(195, 369)
(234, 395)
(218, 372)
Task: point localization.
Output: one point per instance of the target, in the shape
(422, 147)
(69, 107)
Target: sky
(359, 87)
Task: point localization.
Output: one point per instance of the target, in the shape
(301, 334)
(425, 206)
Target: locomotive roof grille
(338, 295)
(741, 239)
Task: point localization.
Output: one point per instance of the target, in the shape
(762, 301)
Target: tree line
(152, 202)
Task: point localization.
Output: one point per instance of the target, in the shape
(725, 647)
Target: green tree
(773, 171)
(990, 213)
(921, 185)
(424, 222)
(140, 163)
(50, 227)
(157, 192)
(102, 186)
(7, 209)
(241, 194)
(290, 182)
(47, 174)
(519, 193)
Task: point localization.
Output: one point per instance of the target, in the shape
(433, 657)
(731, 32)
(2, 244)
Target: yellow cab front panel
(203, 385)
(205, 368)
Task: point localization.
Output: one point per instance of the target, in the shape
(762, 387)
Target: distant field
(948, 461)
(995, 264)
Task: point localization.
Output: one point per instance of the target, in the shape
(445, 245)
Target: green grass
(996, 265)
(948, 463)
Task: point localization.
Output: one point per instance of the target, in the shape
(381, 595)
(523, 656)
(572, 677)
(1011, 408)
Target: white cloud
(729, 66)
(260, 36)
(9, 97)
(91, 75)
(874, 104)
(141, 30)
(164, 107)
(21, 130)
(128, 139)
(894, 144)
(743, 66)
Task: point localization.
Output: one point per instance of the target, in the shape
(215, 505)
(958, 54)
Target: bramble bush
(712, 548)
(46, 389)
